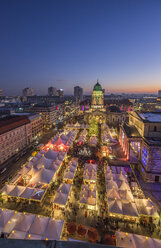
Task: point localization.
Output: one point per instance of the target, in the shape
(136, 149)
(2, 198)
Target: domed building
(97, 97)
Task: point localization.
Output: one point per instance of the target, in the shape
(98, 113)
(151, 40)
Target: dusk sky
(65, 43)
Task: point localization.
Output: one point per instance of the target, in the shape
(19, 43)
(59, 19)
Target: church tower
(97, 97)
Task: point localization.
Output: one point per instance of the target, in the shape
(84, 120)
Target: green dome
(97, 87)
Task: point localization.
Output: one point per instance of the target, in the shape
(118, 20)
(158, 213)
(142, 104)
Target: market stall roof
(110, 176)
(24, 170)
(34, 237)
(29, 226)
(69, 175)
(24, 222)
(134, 241)
(7, 189)
(44, 161)
(112, 194)
(83, 200)
(129, 209)
(50, 154)
(123, 185)
(126, 195)
(17, 191)
(64, 188)
(5, 217)
(60, 198)
(111, 184)
(17, 235)
(32, 171)
(39, 225)
(11, 223)
(115, 206)
(91, 201)
(90, 167)
(38, 194)
(120, 177)
(53, 230)
(60, 141)
(27, 193)
(143, 209)
(43, 176)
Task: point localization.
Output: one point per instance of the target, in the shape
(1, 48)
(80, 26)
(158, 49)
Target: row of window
(144, 156)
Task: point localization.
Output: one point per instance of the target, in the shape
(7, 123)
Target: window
(156, 178)
(138, 147)
(144, 156)
(155, 129)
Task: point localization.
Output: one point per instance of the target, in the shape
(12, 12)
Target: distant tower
(28, 92)
(52, 91)
(97, 97)
(1, 92)
(60, 93)
(159, 93)
(78, 94)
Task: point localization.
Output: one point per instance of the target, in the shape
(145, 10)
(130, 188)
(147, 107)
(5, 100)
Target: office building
(159, 93)
(1, 92)
(60, 93)
(28, 92)
(52, 91)
(78, 94)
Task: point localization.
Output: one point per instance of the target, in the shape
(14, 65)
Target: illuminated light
(115, 199)
(13, 231)
(60, 191)
(46, 239)
(127, 234)
(29, 236)
(42, 166)
(24, 212)
(147, 238)
(148, 199)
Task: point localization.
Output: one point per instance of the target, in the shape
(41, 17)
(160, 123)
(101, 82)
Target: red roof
(9, 123)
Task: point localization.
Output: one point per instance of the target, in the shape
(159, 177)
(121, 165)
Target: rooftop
(11, 122)
(150, 116)
(97, 87)
(114, 109)
(131, 131)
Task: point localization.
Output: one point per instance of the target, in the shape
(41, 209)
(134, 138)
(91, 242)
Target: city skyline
(65, 44)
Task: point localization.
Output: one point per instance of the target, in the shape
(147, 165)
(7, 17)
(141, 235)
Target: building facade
(141, 142)
(47, 113)
(115, 116)
(15, 134)
(36, 125)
